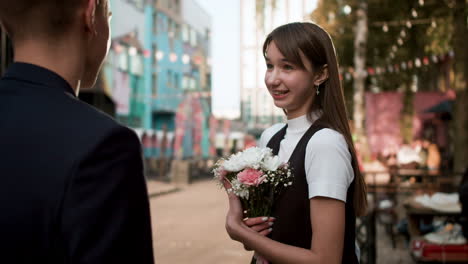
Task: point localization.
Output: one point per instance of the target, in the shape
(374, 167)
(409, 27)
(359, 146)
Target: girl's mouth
(279, 94)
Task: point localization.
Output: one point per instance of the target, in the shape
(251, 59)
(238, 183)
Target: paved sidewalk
(157, 188)
(188, 227)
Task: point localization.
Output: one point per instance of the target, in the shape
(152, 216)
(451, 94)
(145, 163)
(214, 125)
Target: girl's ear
(321, 76)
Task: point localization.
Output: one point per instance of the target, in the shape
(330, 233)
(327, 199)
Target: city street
(188, 227)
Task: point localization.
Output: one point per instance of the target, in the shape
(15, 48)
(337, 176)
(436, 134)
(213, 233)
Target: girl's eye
(288, 67)
(269, 66)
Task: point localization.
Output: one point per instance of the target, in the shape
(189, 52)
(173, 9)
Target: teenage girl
(314, 220)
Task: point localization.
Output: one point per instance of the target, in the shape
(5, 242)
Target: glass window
(155, 23)
(161, 24)
(175, 83)
(155, 85)
(123, 59)
(185, 33)
(176, 30)
(170, 25)
(248, 69)
(193, 84)
(137, 65)
(169, 78)
(185, 82)
(193, 37)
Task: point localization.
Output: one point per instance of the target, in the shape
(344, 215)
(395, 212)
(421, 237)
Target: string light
(347, 9)
(408, 24)
(385, 27)
(417, 62)
(403, 33)
(400, 41)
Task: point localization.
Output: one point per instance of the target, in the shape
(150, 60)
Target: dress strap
(275, 141)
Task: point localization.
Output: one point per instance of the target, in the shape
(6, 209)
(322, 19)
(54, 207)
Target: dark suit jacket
(72, 188)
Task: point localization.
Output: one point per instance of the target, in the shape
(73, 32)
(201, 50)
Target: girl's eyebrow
(283, 59)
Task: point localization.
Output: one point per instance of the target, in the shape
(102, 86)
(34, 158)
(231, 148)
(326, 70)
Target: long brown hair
(315, 44)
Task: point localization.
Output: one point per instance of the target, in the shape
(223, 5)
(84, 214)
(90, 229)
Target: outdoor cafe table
(396, 180)
(416, 212)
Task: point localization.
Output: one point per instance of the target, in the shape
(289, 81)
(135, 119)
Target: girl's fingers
(261, 227)
(227, 185)
(266, 232)
(258, 220)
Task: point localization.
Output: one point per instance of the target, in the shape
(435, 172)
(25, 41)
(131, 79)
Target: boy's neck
(62, 59)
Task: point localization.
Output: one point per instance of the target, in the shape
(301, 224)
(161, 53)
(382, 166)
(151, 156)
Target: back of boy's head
(37, 18)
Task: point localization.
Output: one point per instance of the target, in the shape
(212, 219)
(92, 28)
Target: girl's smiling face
(291, 87)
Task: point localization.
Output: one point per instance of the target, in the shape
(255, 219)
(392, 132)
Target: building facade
(258, 18)
(158, 70)
(193, 115)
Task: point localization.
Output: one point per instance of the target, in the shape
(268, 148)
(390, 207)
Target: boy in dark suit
(72, 188)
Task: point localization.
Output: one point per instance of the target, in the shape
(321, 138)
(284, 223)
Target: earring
(317, 89)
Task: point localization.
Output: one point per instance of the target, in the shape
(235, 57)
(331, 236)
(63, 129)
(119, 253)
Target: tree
(402, 34)
(360, 49)
(461, 83)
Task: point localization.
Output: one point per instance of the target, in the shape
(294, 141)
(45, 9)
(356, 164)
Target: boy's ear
(4, 28)
(90, 15)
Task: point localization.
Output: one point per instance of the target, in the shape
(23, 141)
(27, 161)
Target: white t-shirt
(327, 161)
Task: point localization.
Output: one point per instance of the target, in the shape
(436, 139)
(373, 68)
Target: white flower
(249, 158)
(253, 157)
(271, 163)
(239, 189)
(234, 163)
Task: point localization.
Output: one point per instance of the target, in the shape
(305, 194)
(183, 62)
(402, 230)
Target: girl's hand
(262, 225)
(234, 216)
(234, 221)
(259, 259)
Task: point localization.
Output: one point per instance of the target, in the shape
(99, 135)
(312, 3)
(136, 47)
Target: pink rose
(250, 177)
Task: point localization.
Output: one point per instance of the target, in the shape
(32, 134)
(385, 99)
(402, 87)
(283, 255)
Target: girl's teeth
(280, 92)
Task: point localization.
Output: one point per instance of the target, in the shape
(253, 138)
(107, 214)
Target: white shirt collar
(301, 123)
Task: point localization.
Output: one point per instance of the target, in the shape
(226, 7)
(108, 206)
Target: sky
(225, 57)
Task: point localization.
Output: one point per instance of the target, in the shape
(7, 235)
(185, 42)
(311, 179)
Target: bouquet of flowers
(256, 176)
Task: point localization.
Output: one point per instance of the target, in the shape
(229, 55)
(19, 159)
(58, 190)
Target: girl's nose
(272, 78)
